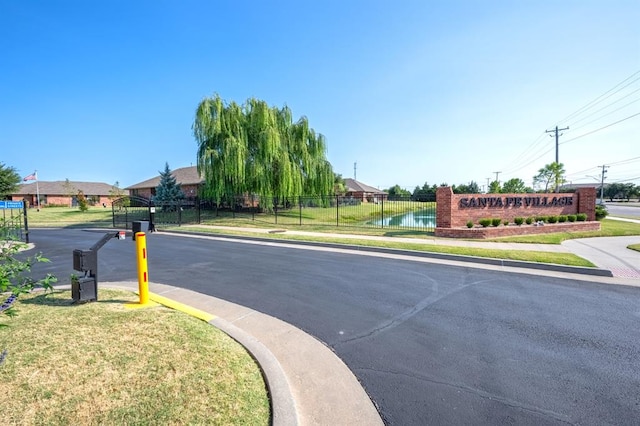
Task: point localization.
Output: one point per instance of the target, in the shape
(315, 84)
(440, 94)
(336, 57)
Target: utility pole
(556, 130)
(497, 173)
(488, 179)
(604, 171)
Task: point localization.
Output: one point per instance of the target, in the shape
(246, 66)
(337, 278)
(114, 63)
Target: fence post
(382, 211)
(337, 212)
(26, 222)
(198, 214)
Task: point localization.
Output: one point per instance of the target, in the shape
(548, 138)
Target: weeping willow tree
(257, 149)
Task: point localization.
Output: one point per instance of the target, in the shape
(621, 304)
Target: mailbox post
(85, 288)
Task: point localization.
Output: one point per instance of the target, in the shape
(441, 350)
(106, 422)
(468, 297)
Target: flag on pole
(32, 176)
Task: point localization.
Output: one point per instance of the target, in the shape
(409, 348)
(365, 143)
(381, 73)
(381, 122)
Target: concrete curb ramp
(307, 382)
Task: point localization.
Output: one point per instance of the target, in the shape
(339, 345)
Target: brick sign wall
(455, 210)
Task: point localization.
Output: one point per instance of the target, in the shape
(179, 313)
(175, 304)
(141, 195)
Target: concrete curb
(283, 406)
(307, 382)
(424, 254)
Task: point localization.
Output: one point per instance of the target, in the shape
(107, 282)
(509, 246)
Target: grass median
(522, 255)
(98, 216)
(101, 363)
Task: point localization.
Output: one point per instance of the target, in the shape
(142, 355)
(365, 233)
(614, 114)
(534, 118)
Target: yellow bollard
(143, 272)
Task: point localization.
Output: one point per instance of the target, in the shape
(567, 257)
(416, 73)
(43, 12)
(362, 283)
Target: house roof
(184, 176)
(59, 187)
(355, 186)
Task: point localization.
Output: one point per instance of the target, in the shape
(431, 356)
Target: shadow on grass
(94, 224)
(411, 233)
(54, 299)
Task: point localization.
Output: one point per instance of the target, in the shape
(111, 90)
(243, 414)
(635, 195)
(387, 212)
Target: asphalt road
(432, 344)
(631, 209)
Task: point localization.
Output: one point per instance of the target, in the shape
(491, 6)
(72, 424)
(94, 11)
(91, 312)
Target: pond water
(416, 219)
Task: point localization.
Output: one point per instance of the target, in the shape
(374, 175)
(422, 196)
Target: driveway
(431, 343)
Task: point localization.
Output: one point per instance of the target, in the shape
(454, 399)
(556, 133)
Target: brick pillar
(444, 195)
(587, 201)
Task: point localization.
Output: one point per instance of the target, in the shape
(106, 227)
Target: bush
(601, 211)
(541, 218)
(552, 219)
(581, 217)
(562, 218)
(505, 222)
(519, 220)
(571, 218)
(529, 221)
(470, 224)
(484, 222)
(496, 221)
(14, 276)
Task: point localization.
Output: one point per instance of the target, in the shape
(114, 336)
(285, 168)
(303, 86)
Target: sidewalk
(308, 384)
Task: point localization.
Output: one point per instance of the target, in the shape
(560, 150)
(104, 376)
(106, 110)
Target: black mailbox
(85, 288)
(82, 260)
(139, 226)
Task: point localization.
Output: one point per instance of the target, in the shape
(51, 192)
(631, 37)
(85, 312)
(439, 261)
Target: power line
(535, 159)
(602, 97)
(529, 151)
(629, 160)
(601, 128)
(627, 180)
(607, 106)
(607, 114)
(582, 171)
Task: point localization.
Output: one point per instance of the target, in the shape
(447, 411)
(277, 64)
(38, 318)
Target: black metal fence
(13, 222)
(402, 213)
(128, 209)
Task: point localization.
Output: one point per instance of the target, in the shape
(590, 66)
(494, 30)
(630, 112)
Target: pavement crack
(479, 393)
(409, 313)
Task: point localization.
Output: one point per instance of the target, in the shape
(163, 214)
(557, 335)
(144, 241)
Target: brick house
(363, 192)
(61, 193)
(188, 178)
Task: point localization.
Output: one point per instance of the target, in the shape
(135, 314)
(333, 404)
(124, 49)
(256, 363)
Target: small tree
(339, 188)
(397, 192)
(69, 191)
(168, 190)
(9, 180)
(552, 173)
(494, 187)
(83, 205)
(514, 186)
(115, 192)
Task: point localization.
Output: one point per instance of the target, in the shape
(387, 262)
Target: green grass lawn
(98, 216)
(530, 256)
(347, 215)
(59, 217)
(103, 364)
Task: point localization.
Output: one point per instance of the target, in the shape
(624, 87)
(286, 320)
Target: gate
(128, 209)
(13, 221)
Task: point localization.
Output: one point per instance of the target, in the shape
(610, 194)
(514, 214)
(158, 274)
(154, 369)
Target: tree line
(550, 178)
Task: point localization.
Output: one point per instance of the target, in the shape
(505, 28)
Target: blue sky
(411, 91)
